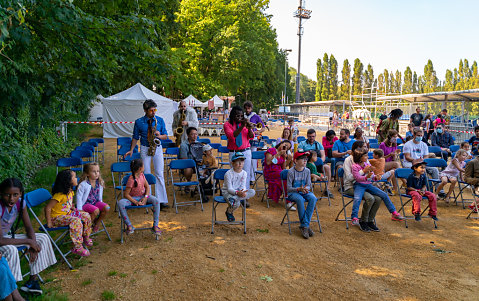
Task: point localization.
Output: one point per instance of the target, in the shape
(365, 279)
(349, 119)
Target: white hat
(207, 147)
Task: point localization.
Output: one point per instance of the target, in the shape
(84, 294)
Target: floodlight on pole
(301, 13)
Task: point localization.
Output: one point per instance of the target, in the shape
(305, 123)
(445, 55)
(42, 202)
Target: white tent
(218, 102)
(96, 111)
(128, 106)
(191, 101)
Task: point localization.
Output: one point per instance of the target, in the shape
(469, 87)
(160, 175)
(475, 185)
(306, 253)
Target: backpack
(195, 151)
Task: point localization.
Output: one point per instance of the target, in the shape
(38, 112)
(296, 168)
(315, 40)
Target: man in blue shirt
(140, 132)
(310, 144)
(342, 147)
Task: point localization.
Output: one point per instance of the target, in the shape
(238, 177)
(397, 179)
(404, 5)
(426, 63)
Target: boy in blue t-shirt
(342, 147)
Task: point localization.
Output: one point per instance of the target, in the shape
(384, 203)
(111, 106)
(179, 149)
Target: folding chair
(70, 163)
(98, 151)
(216, 146)
(440, 164)
(204, 140)
(475, 208)
(37, 198)
(264, 137)
(301, 139)
(89, 146)
(121, 169)
(373, 145)
(343, 196)
(259, 155)
(454, 148)
(170, 154)
(23, 251)
(403, 173)
(219, 176)
(463, 185)
(132, 157)
(284, 177)
(82, 154)
(373, 140)
(123, 228)
(319, 162)
(181, 165)
(222, 151)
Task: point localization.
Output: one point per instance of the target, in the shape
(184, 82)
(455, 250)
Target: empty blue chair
(98, 150)
(372, 140)
(179, 165)
(70, 163)
(222, 151)
(454, 148)
(82, 154)
(219, 176)
(374, 145)
(204, 140)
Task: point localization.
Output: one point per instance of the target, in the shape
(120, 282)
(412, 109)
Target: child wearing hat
(299, 191)
(209, 161)
(416, 188)
(234, 186)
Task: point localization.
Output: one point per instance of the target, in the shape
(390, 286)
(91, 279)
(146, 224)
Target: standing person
(40, 251)
(299, 191)
(239, 132)
(311, 144)
(428, 127)
(146, 128)
(335, 119)
(383, 116)
(253, 118)
(447, 118)
(439, 120)
(391, 123)
(264, 118)
(328, 141)
(234, 189)
(190, 120)
(442, 139)
(417, 117)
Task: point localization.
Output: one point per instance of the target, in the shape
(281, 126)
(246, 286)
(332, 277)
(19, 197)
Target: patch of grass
(263, 230)
(259, 266)
(112, 273)
(221, 270)
(45, 177)
(123, 275)
(79, 263)
(108, 295)
(154, 272)
(49, 294)
(86, 282)
(169, 239)
(109, 224)
(95, 243)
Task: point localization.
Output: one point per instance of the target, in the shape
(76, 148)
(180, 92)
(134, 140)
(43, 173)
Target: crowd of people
(307, 161)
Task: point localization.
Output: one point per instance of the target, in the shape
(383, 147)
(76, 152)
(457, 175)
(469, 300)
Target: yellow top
(64, 205)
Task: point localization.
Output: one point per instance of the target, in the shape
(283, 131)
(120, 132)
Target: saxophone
(179, 129)
(153, 141)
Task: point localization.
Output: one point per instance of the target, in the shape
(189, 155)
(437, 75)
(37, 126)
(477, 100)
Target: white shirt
(234, 181)
(417, 151)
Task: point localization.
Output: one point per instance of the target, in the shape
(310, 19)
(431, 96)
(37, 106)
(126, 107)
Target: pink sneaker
(81, 251)
(87, 241)
(396, 216)
(355, 221)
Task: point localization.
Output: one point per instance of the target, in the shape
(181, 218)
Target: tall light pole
(285, 73)
(301, 13)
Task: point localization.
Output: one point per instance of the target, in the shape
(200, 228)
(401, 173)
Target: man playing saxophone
(147, 129)
(184, 118)
(258, 128)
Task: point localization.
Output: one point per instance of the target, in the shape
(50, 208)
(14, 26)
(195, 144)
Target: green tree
(449, 84)
(346, 80)
(387, 86)
(333, 78)
(430, 78)
(319, 79)
(326, 78)
(408, 83)
(357, 77)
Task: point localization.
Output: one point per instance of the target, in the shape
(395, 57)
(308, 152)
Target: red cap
(299, 154)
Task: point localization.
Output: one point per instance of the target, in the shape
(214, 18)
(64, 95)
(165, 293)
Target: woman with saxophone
(183, 118)
(150, 129)
(239, 132)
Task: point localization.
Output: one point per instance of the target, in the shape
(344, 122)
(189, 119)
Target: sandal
(130, 230)
(156, 230)
(81, 251)
(87, 241)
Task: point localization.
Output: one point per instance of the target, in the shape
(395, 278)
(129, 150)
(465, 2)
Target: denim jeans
(359, 190)
(151, 200)
(300, 198)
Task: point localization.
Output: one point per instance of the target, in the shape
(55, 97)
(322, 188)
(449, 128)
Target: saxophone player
(190, 119)
(255, 119)
(146, 129)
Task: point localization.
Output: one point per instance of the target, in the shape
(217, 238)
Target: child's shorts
(385, 176)
(91, 208)
(449, 177)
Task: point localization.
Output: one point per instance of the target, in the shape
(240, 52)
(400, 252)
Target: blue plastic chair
(123, 228)
(222, 151)
(37, 198)
(70, 163)
(434, 149)
(120, 169)
(403, 173)
(265, 137)
(301, 139)
(182, 165)
(284, 177)
(204, 140)
(132, 157)
(454, 148)
(374, 145)
(319, 162)
(219, 176)
(102, 151)
(372, 140)
(343, 196)
(259, 155)
(123, 141)
(82, 154)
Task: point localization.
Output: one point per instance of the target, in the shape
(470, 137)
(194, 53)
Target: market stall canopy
(128, 106)
(218, 102)
(191, 101)
(321, 103)
(464, 95)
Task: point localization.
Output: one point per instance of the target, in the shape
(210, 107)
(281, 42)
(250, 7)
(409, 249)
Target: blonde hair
(460, 152)
(86, 170)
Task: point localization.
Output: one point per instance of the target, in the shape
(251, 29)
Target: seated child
(467, 147)
(299, 191)
(8, 287)
(89, 195)
(474, 141)
(410, 128)
(209, 161)
(471, 177)
(234, 186)
(378, 164)
(60, 212)
(416, 188)
(136, 194)
(315, 175)
(363, 175)
(452, 173)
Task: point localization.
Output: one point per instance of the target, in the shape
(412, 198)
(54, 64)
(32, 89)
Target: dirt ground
(190, 263)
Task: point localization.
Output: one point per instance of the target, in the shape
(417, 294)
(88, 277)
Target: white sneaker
(291, 207)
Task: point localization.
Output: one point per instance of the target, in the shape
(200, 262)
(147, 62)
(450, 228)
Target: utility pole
(301, 14)
(283, 101)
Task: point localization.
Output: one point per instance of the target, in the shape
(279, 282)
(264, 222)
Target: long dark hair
(233, 112)
(357, 156)
(283, 142)
(395, 114)
(14, 183)
(63, 182)
(134, 166)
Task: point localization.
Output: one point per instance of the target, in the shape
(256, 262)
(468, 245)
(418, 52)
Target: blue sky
(385, 33)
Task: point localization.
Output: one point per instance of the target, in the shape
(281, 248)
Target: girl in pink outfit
(276, 159)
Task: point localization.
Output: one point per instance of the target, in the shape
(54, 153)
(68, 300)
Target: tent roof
(217, 101)
(320, 103)
(137, 92)
(464, 95)
(193, 102)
